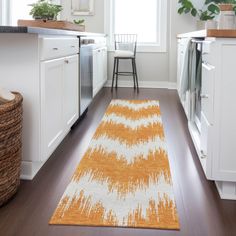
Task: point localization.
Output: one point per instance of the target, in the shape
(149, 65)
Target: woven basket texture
(11, 116)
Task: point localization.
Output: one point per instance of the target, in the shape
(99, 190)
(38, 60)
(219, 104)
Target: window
(3, 12)
(19, 10)
(12, 10)
(146, 18)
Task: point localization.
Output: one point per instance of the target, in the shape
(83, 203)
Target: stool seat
(124, 54)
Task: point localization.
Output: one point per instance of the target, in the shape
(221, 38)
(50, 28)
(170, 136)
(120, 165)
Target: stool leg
(113, 76)
(136, 74)
(134, 77)
(117, 71)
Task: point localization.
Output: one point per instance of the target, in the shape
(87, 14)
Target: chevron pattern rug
(124, 177)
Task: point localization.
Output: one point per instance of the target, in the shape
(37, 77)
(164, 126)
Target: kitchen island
(212, 123)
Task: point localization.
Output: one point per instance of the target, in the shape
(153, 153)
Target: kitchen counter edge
(214, 33)
(46, 31)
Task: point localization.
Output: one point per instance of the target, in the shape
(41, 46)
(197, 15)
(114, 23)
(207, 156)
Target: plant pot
(211, 24)
(38, 18)
(201, 25)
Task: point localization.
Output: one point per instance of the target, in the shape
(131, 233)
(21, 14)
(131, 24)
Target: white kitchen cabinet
(51, 105)
(99, 69)
(59, 91)
(224, 168)
(221, 99)
(44, 69)
(70, 91)
(59, 101)
(216, 147)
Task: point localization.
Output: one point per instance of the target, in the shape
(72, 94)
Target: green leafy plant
(45, 9)
(232, 2)
(79, 21)
(208, 12)
(221, 1)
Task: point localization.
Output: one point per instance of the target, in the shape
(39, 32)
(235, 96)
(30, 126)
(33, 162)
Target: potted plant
(206, 15)
(45, 10)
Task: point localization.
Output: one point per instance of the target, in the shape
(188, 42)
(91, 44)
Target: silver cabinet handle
(72, 46)
(55, 49)
(207, 66)
(204, 96)
(203, 155)
(67, 61)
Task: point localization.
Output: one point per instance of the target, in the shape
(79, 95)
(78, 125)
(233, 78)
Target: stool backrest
(126, 42)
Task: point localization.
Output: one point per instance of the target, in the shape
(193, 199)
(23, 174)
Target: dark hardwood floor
(200, 209)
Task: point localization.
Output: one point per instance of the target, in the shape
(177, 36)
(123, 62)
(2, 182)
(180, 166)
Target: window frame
(4, 12)
(141, 47)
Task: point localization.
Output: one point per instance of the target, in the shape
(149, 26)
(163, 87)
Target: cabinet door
(179, 64)
(51, 105)
(224, 164)
(99, 69)
(71, 91)
(104, 61)
(206, 146)
(207, 96)
(96, 71)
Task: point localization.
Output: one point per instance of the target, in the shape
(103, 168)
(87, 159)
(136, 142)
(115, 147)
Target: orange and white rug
(124, 177)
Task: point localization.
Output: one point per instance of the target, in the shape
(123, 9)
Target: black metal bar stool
(125, 49)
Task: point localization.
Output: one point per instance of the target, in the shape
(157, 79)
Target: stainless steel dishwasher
(86, 73)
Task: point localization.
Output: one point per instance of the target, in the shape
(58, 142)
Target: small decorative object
(45, 10)
(79, 21)
(82, 7)
(11, 145)
(227, 16)
(205, 15)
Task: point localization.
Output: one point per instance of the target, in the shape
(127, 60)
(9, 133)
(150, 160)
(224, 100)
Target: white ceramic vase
(210, 24)
(201, 25)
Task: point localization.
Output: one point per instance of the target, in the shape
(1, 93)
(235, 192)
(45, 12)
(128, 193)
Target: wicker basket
(10, 147)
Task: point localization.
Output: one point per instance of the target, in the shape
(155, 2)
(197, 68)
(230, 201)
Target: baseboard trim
(144, 84)
(226, 190)
(30, 169)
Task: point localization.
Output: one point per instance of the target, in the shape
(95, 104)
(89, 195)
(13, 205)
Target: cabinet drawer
(207, 95)
(51, 48)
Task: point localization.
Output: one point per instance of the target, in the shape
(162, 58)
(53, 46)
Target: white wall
(93, 23)
(152, 67)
